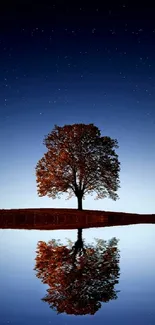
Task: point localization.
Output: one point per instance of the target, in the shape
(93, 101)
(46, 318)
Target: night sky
(64, 64)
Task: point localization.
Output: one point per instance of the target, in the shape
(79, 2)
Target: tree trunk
(79, 202)
(78, 246)
(79, 235)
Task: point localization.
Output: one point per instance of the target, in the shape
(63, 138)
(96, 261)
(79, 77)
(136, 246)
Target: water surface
(22, 291)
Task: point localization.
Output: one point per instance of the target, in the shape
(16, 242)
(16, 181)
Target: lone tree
(78, 161)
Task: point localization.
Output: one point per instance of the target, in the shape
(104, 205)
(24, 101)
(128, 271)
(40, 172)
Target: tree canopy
(78, 287)
(78, 161)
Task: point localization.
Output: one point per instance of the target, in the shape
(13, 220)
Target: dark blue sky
(64, 64)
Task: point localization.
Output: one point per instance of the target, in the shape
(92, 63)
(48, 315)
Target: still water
(108, 281)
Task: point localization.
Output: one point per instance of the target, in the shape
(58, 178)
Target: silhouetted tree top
(78, 161)
(78, 288)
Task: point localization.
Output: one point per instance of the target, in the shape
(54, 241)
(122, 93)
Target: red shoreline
(51, 218)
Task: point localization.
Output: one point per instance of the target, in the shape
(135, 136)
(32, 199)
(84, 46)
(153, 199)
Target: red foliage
(79, 161)
(78, 287)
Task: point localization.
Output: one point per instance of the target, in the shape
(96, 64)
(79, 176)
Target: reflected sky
(21, 291)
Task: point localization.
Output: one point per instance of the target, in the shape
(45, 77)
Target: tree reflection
(80, 276)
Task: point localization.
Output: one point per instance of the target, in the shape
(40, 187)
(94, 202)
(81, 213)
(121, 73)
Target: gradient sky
(64, 64)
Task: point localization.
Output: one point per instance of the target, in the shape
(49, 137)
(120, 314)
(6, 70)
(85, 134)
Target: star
(93, 30)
